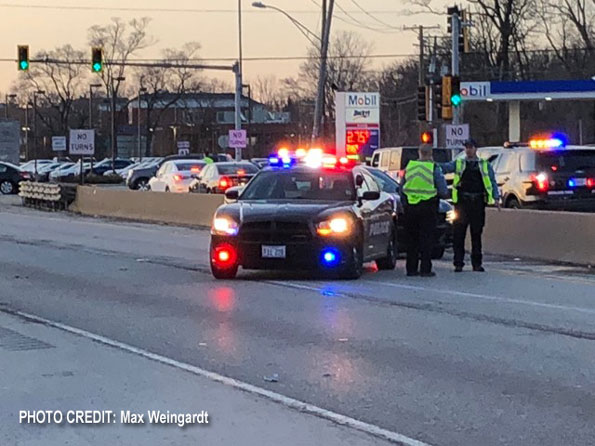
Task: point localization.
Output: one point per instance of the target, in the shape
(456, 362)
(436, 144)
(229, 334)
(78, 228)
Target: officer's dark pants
(470, 213)
(420, 225)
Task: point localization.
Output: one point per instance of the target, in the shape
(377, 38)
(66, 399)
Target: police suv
(313, 212)
(544, 173)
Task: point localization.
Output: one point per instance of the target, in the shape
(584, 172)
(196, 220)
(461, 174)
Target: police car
(306, 211)
(544, 173)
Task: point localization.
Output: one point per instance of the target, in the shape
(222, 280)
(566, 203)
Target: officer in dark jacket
(474, 186)
(423, 184)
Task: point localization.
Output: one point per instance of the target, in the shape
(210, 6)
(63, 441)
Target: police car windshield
(301, 185)
(566, 161)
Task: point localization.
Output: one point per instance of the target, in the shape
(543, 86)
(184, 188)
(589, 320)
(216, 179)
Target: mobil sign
(362, 108)
(475, 91)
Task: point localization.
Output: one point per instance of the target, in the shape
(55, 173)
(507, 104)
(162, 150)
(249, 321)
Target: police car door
(377, 215)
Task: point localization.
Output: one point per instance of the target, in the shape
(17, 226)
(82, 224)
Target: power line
(173, 10)
(369, 14)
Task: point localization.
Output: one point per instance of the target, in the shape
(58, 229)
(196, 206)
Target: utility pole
(323, 105)
(456, 30)
(322, 71)
(238, 105)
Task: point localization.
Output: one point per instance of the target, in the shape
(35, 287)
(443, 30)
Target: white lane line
(444, 291)
(482, 296)
(273, 396)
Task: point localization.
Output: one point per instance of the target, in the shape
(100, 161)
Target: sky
(46, 24)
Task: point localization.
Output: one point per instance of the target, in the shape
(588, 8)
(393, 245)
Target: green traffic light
(96, 67)
(24, 65)
(456, 100)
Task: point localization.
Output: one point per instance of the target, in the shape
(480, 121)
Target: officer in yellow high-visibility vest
(474, 186)
(423, 184)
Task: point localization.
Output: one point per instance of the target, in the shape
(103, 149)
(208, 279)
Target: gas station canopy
(528, 90)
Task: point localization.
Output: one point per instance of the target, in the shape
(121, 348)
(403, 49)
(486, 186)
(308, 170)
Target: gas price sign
(361, 141)
(357, 123)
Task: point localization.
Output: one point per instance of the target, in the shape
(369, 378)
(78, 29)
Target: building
(202, 121)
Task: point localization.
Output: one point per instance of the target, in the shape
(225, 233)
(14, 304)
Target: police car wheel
(390, 261)
(222, 274)
(513, 203)
(355, 267)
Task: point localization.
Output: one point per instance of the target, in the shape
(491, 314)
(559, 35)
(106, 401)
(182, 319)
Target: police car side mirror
(232, 194)
(370, 195)
(359, 180)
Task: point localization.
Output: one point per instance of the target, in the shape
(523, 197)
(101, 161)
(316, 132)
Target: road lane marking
(482, 296)
(441, 291)
(292, 403)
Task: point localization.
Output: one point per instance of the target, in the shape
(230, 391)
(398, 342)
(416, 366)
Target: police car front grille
(275, 231)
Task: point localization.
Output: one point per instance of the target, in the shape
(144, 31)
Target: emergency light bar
(550, 142)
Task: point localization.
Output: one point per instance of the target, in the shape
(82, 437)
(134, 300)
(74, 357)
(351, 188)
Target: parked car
(29, 166)
(175, 176)
(216, 178)
(43, 173)
(260, 162)
(107, 166)
(67, 170)
(10, 177)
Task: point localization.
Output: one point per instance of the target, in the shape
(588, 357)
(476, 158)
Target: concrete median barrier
(554, 236)
(161, 207)
(541, 235)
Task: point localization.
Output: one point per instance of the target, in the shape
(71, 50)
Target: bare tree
(62, 82)
(120, 41)
(269, 91)
(165, 87)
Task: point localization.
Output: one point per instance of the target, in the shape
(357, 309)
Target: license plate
(273, 252)
(580, 181)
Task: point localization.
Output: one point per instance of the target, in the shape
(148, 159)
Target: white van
(393, 160)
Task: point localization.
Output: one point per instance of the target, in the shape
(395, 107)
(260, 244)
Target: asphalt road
(501, 358)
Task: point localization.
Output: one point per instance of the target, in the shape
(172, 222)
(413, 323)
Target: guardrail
(47, 196)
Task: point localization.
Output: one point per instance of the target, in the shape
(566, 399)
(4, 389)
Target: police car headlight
(334, 226)
(451, 216)
(224, 226)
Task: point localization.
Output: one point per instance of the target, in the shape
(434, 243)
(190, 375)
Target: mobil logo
(369, 100)
(475, 90)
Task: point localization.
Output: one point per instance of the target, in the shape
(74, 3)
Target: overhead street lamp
(299, 25)
(323, 41)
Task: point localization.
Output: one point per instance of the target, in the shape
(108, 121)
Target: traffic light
(455, 98)
(422, 103)
(427, 138)
(450, 12)
(446, 97)
(437, 97)
(97, 59)
(23, 56)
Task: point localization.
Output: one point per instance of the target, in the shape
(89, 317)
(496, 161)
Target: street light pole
(35, 93)
(141, 89)
(114, 136)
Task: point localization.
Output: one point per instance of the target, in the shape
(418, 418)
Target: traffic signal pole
(456, 29)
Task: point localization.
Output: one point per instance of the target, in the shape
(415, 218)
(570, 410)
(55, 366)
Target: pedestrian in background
(474, 186)
(423, 184)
